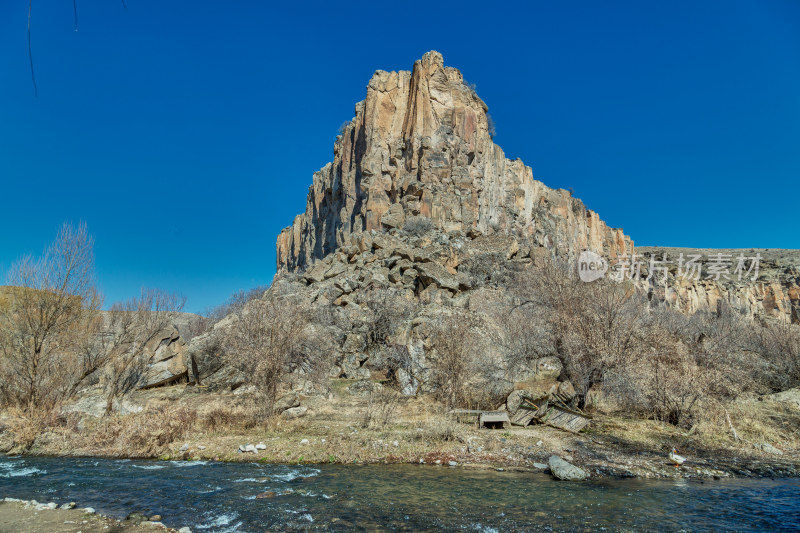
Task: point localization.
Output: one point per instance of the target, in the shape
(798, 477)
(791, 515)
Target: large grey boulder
(206, 363)
(790, 396)
(287, 401)
(294, 412)
(768, 448)
(548, 368)
(515, 399)
(563, 470)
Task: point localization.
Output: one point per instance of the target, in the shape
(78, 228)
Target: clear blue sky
(186, 133)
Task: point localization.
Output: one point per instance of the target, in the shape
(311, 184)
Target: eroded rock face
(773, 292)
(168, 360)
(419, 146)
(419, 151)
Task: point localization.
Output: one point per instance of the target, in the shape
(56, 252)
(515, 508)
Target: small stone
(539, 443)
(70, 505)
(452, 463)
(304, 441)
(89, 510)
(155, 518)
(540, 466)
(184, 447)
(184, 530)
(135, 517)
(395, 444)
(768, 448)
(261, 446)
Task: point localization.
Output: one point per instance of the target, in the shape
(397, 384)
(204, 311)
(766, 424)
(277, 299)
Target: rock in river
(564, 470)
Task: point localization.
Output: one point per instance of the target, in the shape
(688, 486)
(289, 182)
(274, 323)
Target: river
(224, 497)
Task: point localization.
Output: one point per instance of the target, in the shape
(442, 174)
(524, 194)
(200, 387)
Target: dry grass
(214, 425)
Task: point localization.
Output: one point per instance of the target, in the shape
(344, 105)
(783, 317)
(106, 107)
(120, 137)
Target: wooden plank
(523, 417)
(565, 419)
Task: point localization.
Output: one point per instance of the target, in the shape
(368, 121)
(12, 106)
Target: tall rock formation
(420, 145)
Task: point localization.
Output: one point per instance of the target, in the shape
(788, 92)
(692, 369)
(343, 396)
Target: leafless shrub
(150, 431)
(418, 226)
(388, 311)
(235, 303)
(269, 340)
(439, 427)
(488, 268)
(778, 343)
(647, 358)
(381, 408)
(491, 125)
(219, 419)
(452, 368)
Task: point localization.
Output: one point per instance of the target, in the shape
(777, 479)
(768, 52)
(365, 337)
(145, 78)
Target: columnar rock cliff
(420, 148)
(420, 145)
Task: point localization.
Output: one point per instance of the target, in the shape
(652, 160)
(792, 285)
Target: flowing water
(223, 497)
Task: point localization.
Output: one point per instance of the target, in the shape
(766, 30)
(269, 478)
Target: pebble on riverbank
(25, 515)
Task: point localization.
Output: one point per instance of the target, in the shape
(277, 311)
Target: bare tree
(268, 341)
(128, 348)
(205, 322)
(53, 299)
(452, 369)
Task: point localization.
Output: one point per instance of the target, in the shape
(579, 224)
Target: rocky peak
(420, 146)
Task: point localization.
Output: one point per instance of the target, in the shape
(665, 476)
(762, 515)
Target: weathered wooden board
(565, 419)
(523, 417)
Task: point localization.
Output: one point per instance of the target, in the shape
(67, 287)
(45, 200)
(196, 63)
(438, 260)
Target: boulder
(167, 353)
(548, 368)
(408, 384)
(136, 517)
(287, 401)
(790, 396)
(514, 400)
(566, 391)
(394, 217)
(205, 356)
(354, 342)
(294, 412)
(767, 448)
(438, 275)
(563, 470)
(363, 387)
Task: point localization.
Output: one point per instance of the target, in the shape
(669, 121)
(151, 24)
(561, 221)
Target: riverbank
(187, 423)
(35, 517)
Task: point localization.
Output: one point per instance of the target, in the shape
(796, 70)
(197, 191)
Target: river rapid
(250, 497)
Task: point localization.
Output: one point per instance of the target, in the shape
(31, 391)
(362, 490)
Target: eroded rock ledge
(420, 145)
